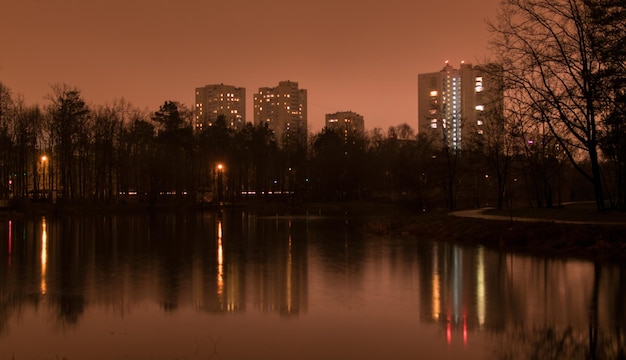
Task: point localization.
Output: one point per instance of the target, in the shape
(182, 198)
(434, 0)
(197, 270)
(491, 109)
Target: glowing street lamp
(44, 161)
(220, 171)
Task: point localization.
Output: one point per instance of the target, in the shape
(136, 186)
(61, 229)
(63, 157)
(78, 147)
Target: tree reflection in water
(332, 280)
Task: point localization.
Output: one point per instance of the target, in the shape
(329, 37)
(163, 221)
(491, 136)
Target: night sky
(349, 55)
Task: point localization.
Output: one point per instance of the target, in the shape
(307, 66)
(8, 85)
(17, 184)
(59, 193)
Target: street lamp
(220, 171)
(44, 161)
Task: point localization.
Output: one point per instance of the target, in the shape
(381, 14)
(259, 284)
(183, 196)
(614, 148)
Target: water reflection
(44, 255)
(220, 264)
(217, 276)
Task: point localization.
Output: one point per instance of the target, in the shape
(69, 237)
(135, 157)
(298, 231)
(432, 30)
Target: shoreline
(598, 242)
(557, 233)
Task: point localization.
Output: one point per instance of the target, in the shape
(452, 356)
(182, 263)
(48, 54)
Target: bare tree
(68, 118)
(549, 59)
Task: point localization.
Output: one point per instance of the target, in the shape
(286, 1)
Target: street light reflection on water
(44, 256)
(220, 263)
(234, 279)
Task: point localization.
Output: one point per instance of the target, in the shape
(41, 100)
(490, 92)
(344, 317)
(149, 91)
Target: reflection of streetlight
(44, 256)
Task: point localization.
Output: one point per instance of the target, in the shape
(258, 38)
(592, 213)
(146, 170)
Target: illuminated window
(433, 125)
(479, 83)
(479, 122)
(480, 131)
(433, 93)
(480, 107)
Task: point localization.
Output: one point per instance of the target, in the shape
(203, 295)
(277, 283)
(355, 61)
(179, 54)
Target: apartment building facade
(217, 100)
(345, 122)
(460, 105)
(283, 108)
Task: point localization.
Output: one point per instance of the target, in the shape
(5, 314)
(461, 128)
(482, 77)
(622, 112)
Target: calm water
(238, 286)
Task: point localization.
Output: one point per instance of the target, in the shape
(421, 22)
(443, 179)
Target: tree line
(107, 154)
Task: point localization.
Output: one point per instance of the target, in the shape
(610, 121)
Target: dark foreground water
(238, 286)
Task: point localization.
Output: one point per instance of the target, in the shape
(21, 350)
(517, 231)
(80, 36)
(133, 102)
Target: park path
(480, 214)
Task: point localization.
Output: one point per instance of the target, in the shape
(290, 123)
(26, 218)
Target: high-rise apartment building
(283, 108)
(454, 103)
(345, 122)
(219, 99)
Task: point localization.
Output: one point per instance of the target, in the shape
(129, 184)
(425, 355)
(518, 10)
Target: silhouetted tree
(175, 140)
(328, 165)
(68, 118)
(548, 53)
(30, 144)
(137, 159)
(608, 36)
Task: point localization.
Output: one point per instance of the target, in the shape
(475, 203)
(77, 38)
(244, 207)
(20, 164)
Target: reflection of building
(453, 103)
(345, 122)
(280, 281)
(283, 109)
(454, 293)
(217, 100)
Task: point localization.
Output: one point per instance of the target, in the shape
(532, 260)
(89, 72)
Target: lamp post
(44, 161)
(220, 171)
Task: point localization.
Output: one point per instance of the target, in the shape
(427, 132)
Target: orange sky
(362, 56)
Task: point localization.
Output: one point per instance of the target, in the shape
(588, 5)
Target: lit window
(480, 107)
(479, 122)
(433, 125)
(479, 83)
(433, 93)
(480, 131)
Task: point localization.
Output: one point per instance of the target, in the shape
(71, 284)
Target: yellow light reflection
(480, 287)
(44, 255)
(220, 263)
(436, 300)
(289, 269)
(10, 241)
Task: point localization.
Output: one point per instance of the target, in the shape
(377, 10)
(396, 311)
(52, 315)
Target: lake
(235, 285)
